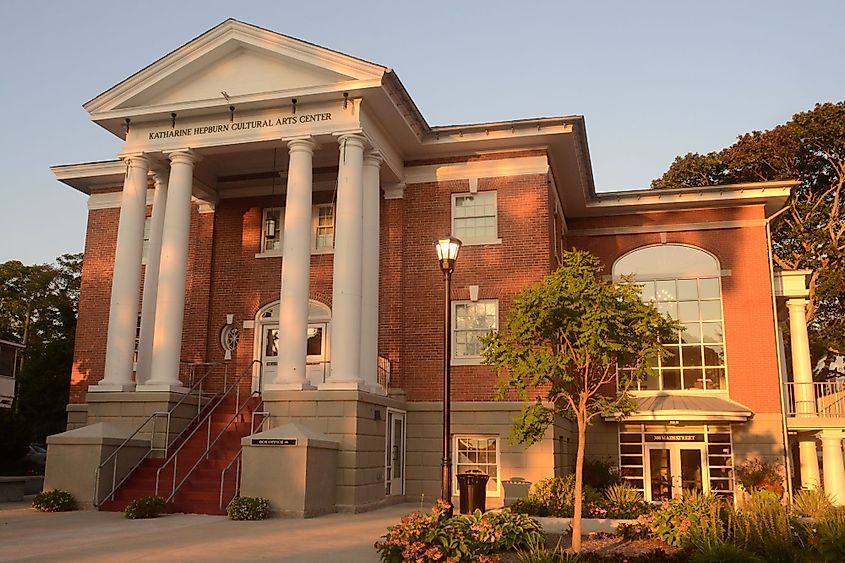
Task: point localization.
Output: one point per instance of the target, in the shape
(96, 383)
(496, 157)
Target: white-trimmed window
(683, 283)
(273, 226)
(475, 218)
(470, 321)
(477, 453)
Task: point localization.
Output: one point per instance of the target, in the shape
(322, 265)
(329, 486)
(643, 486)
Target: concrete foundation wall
(424, 446)
(357, 422)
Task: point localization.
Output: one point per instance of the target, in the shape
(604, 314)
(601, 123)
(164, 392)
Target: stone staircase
(200, 493)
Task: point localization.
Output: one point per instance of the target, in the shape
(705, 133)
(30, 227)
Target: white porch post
(126, 279)
(802, 370)
(148, 304)
(809, 461)
(296, 269)
(346, 287)
(170, 302)
(834, 465)
(370, 270)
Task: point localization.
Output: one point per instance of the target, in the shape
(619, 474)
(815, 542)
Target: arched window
(684, 283)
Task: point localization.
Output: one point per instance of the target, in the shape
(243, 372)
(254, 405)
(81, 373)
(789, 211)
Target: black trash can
(472, 487)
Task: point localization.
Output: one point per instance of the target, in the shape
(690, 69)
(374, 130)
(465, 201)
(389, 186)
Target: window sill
(650, 392)
(472, 361)
(278, 254)
(480, 242)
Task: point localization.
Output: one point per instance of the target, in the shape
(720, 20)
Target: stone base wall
(424, 446)
(357, 422)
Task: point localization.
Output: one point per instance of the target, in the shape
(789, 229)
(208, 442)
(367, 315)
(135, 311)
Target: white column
(173, 270)
(809, 461)
(802, 370)
(834, 465)
(346, 287)
(370, 271)
(126, 279)
(148, 304)
(296, 269)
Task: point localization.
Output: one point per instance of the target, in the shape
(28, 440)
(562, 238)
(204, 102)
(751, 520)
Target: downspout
(780, 353)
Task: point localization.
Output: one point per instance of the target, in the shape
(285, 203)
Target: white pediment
(244, 61)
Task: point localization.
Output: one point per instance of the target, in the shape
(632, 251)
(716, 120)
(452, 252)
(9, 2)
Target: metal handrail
(174, 457)
(824, 399)
(237, 457)
(195, 385)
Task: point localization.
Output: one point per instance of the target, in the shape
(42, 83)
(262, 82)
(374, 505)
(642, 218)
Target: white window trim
(314, 218)
(468, 360)
(455, 437)
(478, 242)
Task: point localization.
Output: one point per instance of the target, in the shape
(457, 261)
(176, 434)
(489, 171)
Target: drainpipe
(780, 352)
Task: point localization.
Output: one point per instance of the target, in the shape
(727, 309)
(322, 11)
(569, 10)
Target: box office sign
(674, 437)
(274, 441)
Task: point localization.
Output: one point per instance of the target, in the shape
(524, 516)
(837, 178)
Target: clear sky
(653, 79)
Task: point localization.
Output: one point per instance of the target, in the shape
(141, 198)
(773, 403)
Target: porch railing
(825, 399)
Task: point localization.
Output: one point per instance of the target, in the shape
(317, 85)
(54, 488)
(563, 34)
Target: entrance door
(316, 364)
(672, 469)
(395, 454)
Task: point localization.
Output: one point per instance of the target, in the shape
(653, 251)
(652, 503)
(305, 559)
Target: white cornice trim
(111, 200)
(507, 166)
(760, 191)
(604, 231)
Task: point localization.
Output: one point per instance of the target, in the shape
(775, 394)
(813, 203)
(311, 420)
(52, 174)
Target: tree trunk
(579, 482)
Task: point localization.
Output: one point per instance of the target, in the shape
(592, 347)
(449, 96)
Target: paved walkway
(107, 536)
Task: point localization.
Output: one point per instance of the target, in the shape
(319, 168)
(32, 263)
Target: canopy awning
(682, 407)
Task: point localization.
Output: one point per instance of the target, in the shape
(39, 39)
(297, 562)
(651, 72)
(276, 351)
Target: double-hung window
(478, 453)
(273, 227)
(475, 218)
(470, 321)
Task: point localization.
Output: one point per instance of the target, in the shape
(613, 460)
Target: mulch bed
(611, 548)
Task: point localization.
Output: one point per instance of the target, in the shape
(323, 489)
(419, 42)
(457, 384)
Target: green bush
(623, 501)
(764, 526)
(677, 521)
(755, 475)
(476, 538)
(600, 474)
(556, 497)
(56, 500)
(248, 508)
(811, 503)
(145, 507)
(828, 535)
(724, 553)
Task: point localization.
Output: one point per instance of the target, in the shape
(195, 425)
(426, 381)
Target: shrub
(556, 497)
(248, 508)
(811, 503)
(56, 500)
(724, 553)
(434, 537)
(755, 475)
(600, 474)
(145, 507)
(828, 535)
(677, 520)
(624, 501)
(764, 527)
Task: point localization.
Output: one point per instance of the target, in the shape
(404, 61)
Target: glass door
(269, 353)
(673, 469)
(395, 453)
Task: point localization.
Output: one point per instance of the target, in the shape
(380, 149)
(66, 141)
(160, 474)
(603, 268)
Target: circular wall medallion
(229, 337)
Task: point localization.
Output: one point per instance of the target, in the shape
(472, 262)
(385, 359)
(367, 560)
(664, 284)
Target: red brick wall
(747, 298)
(500, 271)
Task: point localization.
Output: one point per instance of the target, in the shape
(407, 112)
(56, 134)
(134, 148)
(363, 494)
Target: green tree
(38, 307)
(563, 342)
(811, 232)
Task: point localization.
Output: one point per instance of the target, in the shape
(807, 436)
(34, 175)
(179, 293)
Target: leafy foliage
(756, 475)
(811, 503)
(828, 535)
(248, 508)
(476, 538)
(601, 474)
(56, 500)
(677, 520)
(563, 343)
(809, 148)
(556, 497)
(145, 507)
(38, 306)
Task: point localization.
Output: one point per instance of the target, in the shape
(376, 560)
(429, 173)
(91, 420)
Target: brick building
(244, 146)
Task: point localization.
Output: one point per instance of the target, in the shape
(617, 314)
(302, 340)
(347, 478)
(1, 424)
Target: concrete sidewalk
(107, 536)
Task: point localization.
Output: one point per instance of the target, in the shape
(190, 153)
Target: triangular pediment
(244, 61)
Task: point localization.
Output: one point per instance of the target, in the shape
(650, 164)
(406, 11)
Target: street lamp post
(447, 254)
